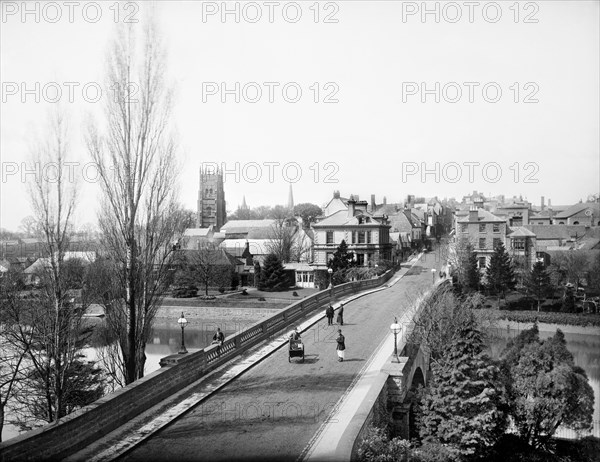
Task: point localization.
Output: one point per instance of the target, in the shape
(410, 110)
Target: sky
(365, 97)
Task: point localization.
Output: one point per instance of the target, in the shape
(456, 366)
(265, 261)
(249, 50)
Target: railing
(81, 428)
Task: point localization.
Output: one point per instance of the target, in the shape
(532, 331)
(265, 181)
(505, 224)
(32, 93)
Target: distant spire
(244, 206)
(290, 203)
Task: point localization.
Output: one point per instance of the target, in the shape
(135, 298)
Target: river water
(584, 345)
(166, 340)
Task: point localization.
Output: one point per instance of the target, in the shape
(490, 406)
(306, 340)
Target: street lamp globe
(395, 328)
(330, 271)
(433, 270)
(182, 322)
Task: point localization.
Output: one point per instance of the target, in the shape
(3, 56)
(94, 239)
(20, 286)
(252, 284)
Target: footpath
(145, 431)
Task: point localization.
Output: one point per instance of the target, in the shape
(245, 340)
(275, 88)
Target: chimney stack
(542, 208)
(372, 202)
(351, 204)
(384, 200)
(549, 203)
(473, 214)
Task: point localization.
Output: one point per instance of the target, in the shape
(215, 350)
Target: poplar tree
(499, 273)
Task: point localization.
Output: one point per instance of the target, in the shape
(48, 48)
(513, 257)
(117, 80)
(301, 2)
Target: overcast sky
(370, 60)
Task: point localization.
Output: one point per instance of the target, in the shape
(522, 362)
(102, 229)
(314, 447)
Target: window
(519, 244)
(209, 210)
(368, 233)
(482, 227)
(463, 228)
(575, 222)
(329, 237)
(210, 191)
(482, 242)
(496, 242)
(298, 276)
(360, 259)
(482, 262)
(311, 277)
(361, 237)
(496, 227)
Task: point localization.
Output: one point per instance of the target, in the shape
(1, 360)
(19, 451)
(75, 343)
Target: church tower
(211, 199)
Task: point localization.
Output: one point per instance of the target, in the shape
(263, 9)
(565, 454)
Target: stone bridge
(107, 429)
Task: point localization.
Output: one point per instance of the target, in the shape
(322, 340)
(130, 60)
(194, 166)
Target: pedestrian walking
(341, 346)
(340, 316)
(329, 314)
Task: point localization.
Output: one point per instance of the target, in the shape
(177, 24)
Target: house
(196, 238)
(584, 213)
(336, 204)
(366, 234)
(521, 244)
(516, 214)
(484, 231)
(405, 221)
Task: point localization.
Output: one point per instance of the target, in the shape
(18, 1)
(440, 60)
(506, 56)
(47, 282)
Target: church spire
(244, 206)
(290, 203)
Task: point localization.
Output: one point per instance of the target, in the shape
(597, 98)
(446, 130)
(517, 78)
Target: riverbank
(589, 322)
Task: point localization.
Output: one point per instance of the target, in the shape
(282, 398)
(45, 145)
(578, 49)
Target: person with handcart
(296, 347)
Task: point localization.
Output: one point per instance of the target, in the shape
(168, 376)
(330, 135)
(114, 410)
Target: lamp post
(330, 271)
(433, 275)
(182, 322)
(395, 328)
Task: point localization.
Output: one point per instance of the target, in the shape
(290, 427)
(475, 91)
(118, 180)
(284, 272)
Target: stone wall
(79, 429)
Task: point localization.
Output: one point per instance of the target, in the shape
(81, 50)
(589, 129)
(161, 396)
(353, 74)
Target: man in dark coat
(340, 316)
(341, 345)
(329, 314)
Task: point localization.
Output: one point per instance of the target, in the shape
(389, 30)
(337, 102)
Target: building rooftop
(483, 216)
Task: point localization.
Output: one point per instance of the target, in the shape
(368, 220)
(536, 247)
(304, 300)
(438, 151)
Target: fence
(81, 428)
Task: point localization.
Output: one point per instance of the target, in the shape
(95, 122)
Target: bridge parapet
(81, 428)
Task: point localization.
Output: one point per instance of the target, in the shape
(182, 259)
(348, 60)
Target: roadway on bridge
(273, 410)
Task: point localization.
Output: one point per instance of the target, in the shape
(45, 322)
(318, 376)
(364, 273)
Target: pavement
(264, 405)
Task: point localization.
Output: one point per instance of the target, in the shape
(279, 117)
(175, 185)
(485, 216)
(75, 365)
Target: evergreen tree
(464, 405)
(342, 258)
(499, 274)
(545, 388)
(538, 282)
(273, 276)
(466, 271)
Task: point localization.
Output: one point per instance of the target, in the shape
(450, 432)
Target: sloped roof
(519, 231)
(197, 232)
(246, 225)
(261, 233)
(341, 218)
(483, 216)
(578, 208)
(237, 246)
(549, 231)
(218, 257)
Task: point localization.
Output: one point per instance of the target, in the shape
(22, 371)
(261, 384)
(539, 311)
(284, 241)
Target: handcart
(296, 350)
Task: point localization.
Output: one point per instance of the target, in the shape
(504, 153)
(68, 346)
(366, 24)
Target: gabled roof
(218, 257)
(238, 246)
(578, 208)
(341, 218)
(519, 231)
(483, 216)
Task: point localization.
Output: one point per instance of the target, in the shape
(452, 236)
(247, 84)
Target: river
(166, 337)
(584, 345)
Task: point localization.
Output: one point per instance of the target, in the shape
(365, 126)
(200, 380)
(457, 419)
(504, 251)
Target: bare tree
(139, 216)
(281, 241)
(29, 226)
(49, 328)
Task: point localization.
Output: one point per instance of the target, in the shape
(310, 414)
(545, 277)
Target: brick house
(484, 231)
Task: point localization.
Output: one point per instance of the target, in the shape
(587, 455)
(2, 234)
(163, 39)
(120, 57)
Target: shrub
(377, 447)
(295, 294)
(222, 290)
(262, 299)
(244, 292)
